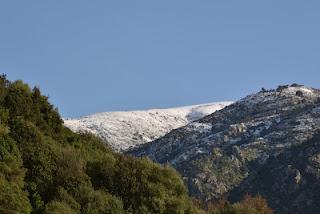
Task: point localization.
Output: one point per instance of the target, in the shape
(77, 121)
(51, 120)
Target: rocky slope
(251, 146)
(127, 129)
(290, 181)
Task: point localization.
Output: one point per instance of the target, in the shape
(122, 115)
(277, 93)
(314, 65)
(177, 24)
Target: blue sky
(94, 56)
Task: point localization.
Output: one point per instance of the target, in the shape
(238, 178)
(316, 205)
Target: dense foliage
(249, 205)
(46, 168)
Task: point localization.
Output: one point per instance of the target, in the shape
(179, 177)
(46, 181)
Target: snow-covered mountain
(127, 129)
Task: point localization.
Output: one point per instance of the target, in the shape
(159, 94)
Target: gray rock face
(223, 152)
(290, 181)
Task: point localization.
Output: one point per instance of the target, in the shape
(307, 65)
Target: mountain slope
(124, 130)
(225, 151)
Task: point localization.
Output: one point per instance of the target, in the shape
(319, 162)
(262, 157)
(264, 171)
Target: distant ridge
(127, 129)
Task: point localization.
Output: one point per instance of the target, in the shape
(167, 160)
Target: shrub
(12, 198)
(282, 87)
(249, 205)
(299, 93)
(57, 207)
(295, 85)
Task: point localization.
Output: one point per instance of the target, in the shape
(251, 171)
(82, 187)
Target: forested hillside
(46, 168)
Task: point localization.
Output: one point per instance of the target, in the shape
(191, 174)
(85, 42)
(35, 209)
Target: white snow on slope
(127, 129)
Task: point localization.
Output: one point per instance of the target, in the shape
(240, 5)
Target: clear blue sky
(94, 56)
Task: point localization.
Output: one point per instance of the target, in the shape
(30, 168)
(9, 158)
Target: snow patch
(200, 127)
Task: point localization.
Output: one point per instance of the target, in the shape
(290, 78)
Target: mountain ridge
(225, 150)
(126, 129)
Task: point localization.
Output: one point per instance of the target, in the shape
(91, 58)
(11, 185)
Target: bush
(254, 205)
(102, 202)
(249, 205)
(57, 207)
(282, 87)
(295, 85)
(18, 99)
(263, 90)
(11, 167)
(299, 93)
(12, 198)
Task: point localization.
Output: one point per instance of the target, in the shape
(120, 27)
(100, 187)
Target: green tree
(18, 99)
(57, 207)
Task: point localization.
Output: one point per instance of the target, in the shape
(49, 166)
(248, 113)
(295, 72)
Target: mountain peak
(223, 152)
(282, 90)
